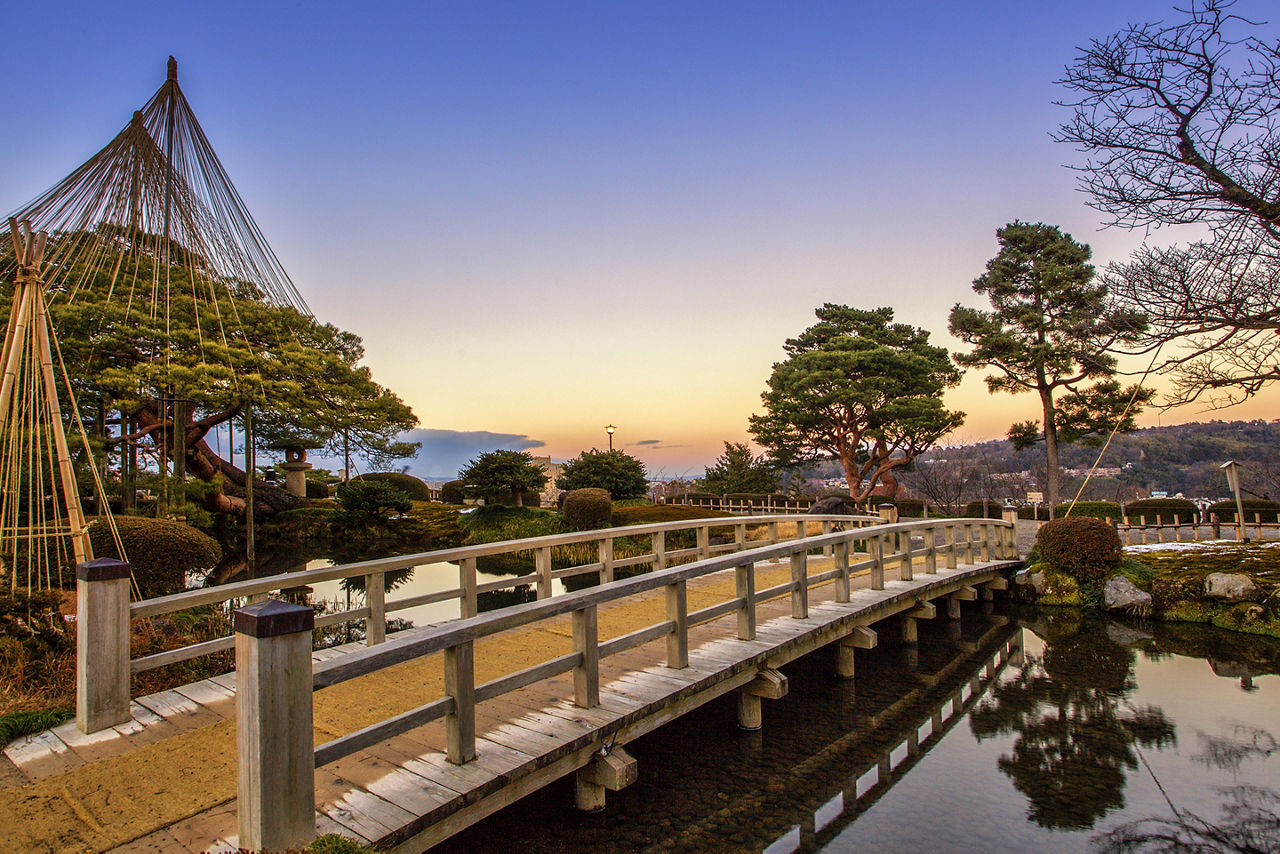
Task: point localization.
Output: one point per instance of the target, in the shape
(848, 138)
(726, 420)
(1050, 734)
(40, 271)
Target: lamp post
(609, 428)
(1232, 468)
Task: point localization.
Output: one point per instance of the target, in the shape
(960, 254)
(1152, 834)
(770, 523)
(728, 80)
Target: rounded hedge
(1030, 511)
(1089, 510)
(1164, 511)
(973, 510)
(751, 499)
(909, 508)
(453, 492)
(587, 509)
(316, 489)
(1226, 510)
(162, 551)
(414, 487)
(1084, 548)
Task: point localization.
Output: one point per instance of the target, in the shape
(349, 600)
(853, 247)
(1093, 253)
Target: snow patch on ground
(1201, 546)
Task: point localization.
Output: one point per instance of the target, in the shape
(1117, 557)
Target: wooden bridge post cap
(272, 617)
(103, 569)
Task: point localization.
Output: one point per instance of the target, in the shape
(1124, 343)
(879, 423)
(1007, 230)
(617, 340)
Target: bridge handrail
(240, 589)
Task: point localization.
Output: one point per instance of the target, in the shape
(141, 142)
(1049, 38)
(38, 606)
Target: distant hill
(1180, 459)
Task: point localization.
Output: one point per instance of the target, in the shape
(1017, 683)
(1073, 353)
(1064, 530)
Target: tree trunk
(204, 463)
(1051, 473)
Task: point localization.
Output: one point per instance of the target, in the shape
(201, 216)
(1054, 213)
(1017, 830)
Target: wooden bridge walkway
(393, 784)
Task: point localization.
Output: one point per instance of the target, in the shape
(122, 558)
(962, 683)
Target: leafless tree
(1180, 124)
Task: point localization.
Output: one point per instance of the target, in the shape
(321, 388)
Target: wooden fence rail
(274, 724)
(106, 614)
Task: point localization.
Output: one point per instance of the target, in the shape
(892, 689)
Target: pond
(1022, 730)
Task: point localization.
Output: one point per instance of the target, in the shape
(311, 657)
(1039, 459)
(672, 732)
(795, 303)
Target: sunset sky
(546, 217)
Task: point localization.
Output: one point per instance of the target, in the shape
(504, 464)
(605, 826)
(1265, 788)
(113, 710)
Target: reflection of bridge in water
(834, 796)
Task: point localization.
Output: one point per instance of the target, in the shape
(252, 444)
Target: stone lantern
(295, 465)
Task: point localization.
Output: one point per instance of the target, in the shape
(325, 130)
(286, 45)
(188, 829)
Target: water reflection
(1076, 732)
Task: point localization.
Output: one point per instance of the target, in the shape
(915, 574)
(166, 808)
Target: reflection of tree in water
(1229, 752)
(1249, 824)
(1075, 740)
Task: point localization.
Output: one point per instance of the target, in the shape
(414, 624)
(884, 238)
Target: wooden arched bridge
(404, 740)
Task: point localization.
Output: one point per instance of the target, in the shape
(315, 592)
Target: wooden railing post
(586, 675)
(841, 551)
(876, 545)
(460, 684)
(949, 544)
(704, 542)
(467, 575)
(1009, 536)
(888, 513)
(275, 749)
(542, 563)
(744, 580)
(931, 550)
(102, 644)
(773, 533)
(800, 585)
(605, 555)
(968, 543)
(984, 532)
(375, 596)
(659, 550)
(678, 615)
(904, 562)
(740, 536)
(826, 529)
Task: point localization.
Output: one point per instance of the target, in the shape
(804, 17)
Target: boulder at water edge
(1231, 587)
(1122, 594)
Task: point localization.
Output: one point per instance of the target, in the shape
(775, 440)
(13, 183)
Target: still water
(1023, 731)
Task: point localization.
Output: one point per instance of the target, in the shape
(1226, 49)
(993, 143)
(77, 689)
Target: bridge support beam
(860, 638)
(768, 683)
(606, 772)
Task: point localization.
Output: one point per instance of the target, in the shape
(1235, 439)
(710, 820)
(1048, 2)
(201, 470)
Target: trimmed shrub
(1086, 549)
(365, 501)
(586, 509)
(973, 510)
(1089, 510)
(453, 493)
(414, 487)
(528, 498)
(1162, 511)
(908, 508)
(1226, 510)
(162, 551)
(701, 499)
(623, 516)
(1033, 512)
(316, 489)
(751, 499)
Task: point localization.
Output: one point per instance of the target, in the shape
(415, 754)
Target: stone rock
(834, 504)
(1122, 594)
(1034, 580)
(1231, 587)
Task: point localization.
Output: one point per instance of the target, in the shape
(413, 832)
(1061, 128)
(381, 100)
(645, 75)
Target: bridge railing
(274, 674)
(104, 617)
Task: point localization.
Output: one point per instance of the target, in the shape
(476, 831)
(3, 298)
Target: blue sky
(545, 217)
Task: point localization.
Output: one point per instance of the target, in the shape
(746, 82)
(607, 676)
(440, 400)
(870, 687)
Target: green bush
(370, 500)
(1226, 510)
(415, 488)
(1084, 548)
(908, 508)
(621, 474)
(1034, 512)
(528, 498)
(17, 724)
(162, 551)
(453, 492)
(316, 489)
(700, 499)
(587, 509)
(973, 510)
(751, 499)
(623, 516)
(1089, 510)
(1164, 511)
